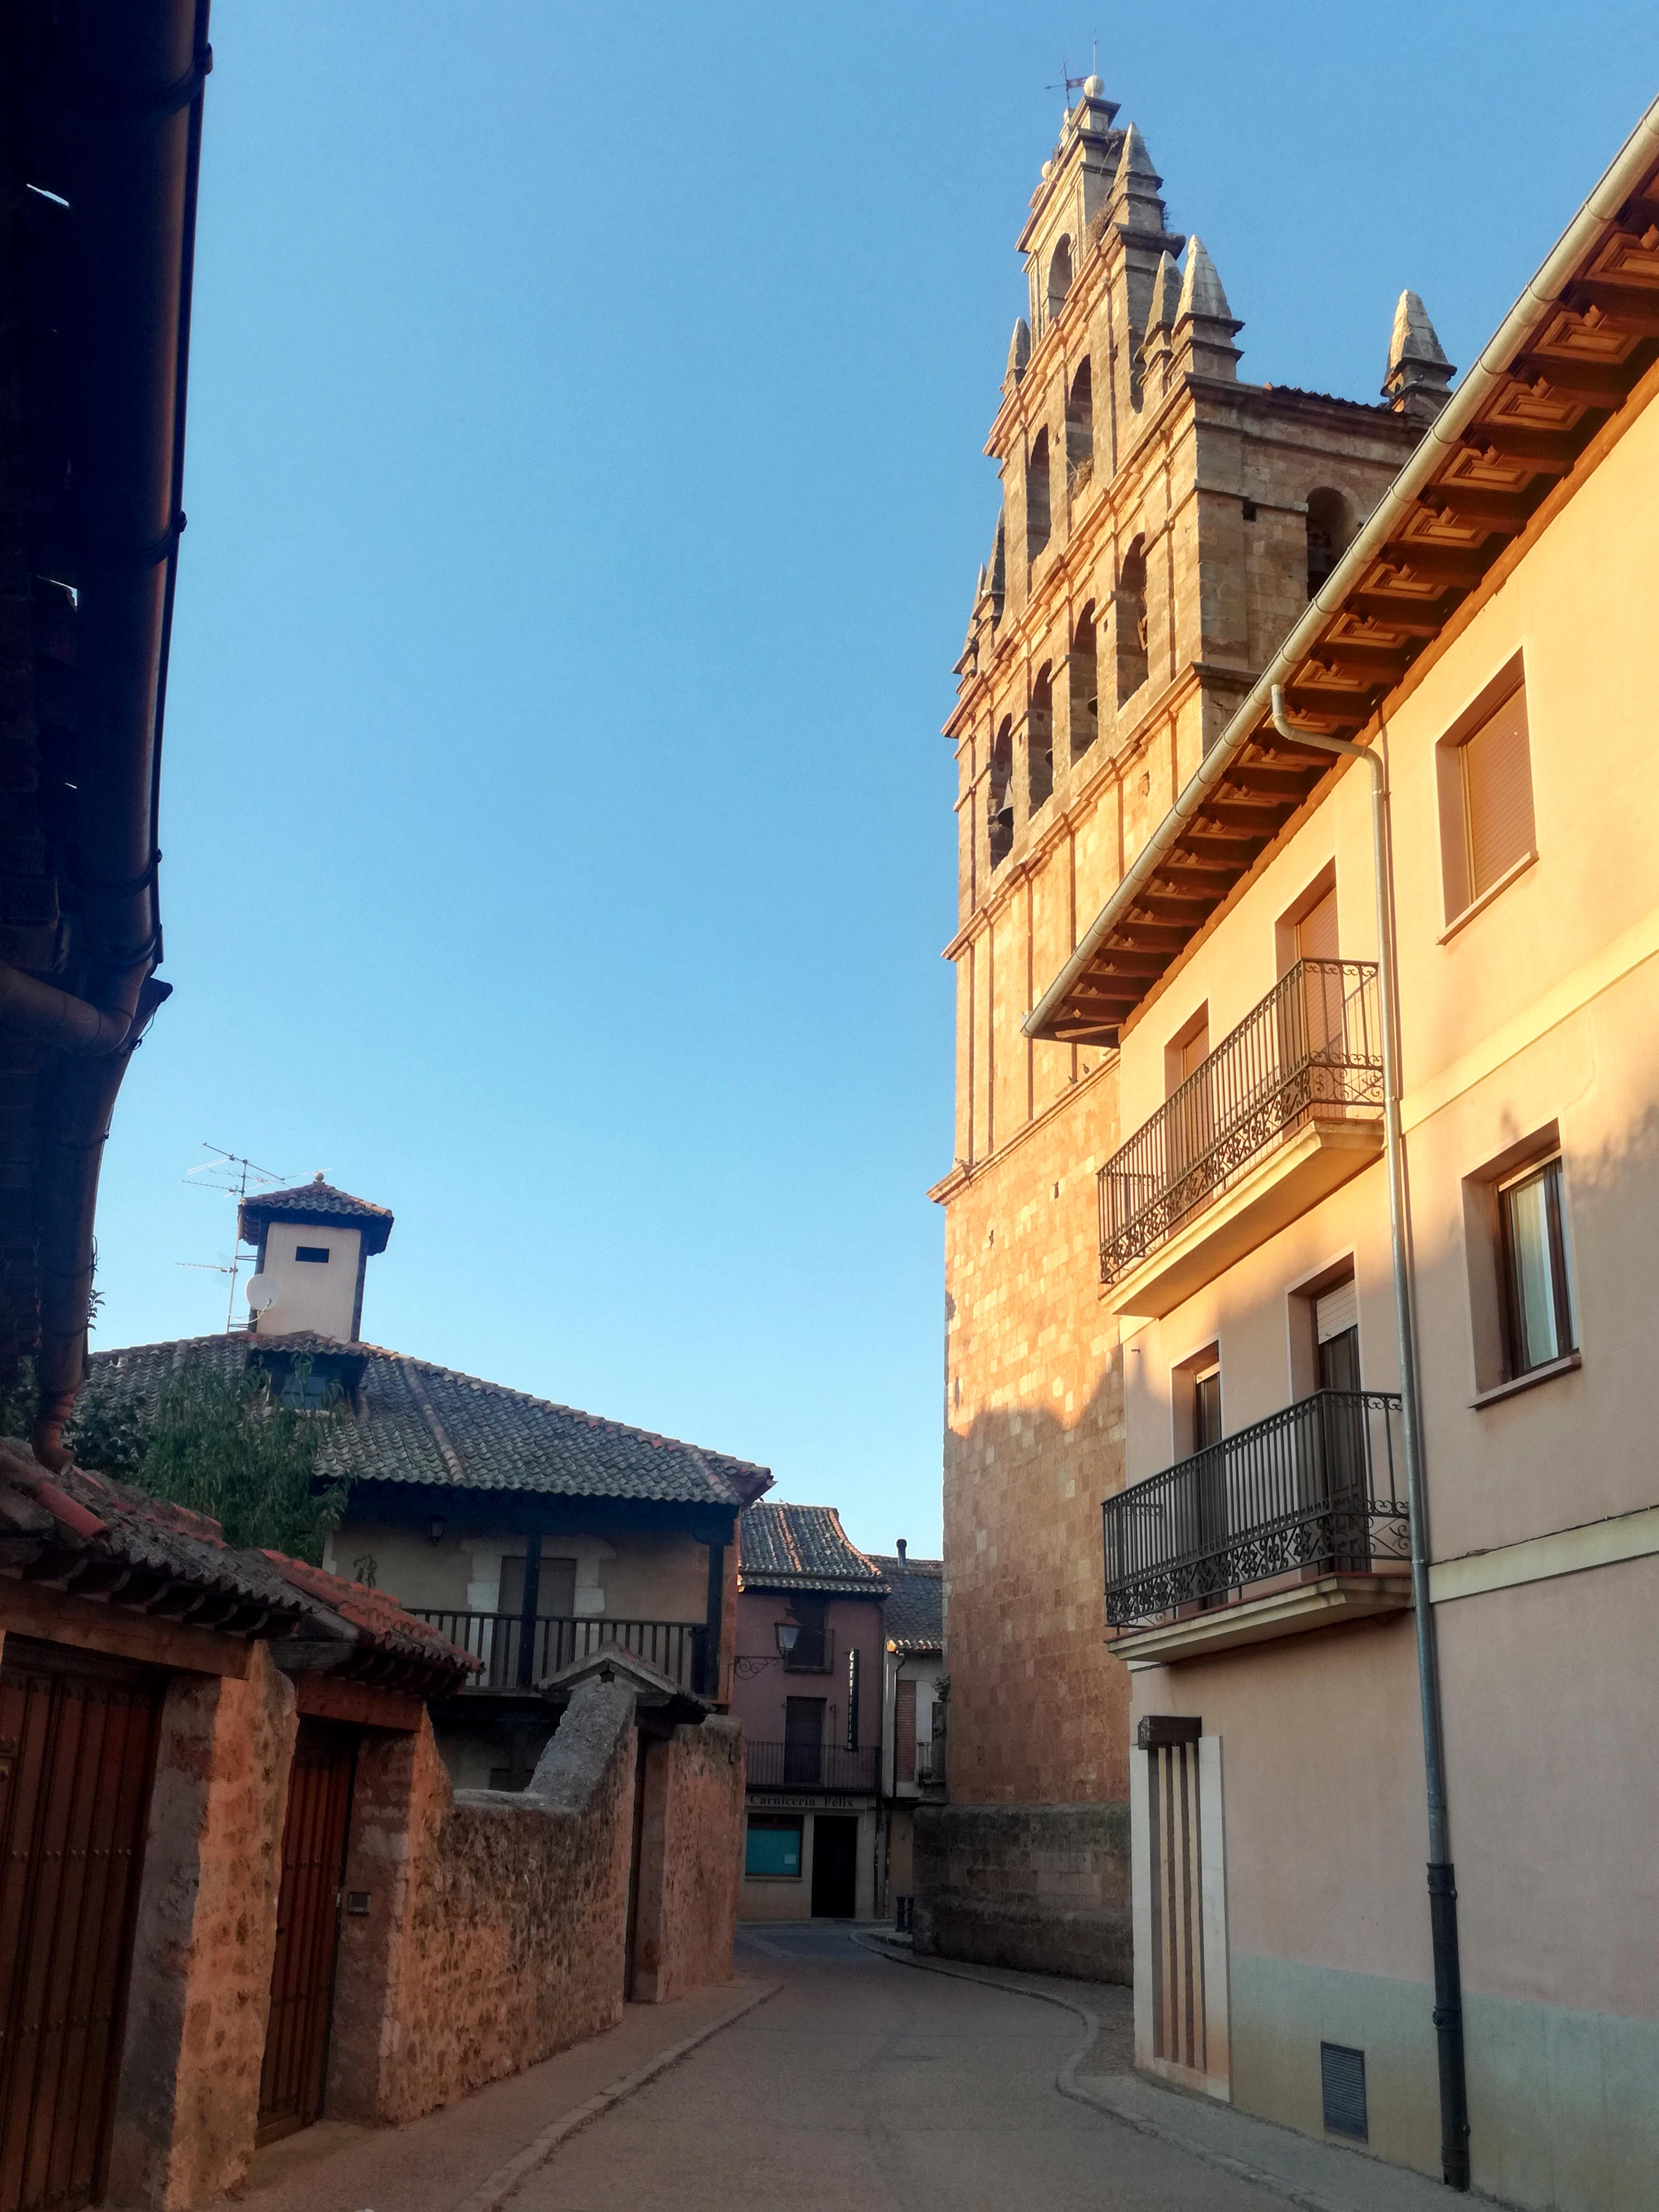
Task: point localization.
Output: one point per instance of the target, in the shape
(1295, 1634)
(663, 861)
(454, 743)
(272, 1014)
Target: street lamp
(787, 1631)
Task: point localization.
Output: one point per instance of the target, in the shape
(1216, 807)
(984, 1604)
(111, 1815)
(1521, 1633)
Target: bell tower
(1162, 525)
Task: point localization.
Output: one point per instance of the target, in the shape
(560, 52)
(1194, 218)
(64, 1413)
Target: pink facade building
(807, 1686)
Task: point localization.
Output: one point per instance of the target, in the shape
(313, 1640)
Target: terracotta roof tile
(914, 1613)
(804, 1548)
(428, 1425)
(316, 1201)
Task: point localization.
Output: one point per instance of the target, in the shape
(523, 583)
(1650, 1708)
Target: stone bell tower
(1163, 523)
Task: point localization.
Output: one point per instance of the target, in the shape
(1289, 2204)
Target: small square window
(318, 1253)
(1540, 1323)
(772, 1850)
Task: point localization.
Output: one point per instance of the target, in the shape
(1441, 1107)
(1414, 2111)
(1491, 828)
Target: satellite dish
(261, 1293)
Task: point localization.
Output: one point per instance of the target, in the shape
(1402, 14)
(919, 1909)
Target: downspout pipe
(1629, 169)
(1442, 1888)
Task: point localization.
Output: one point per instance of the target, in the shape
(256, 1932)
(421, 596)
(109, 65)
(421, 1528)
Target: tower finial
(1201, 294)
(1418, 380)
(1019, 352)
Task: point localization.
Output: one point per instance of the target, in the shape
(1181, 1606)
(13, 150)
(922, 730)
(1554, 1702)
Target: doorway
(77, 1752)
(307, 1930)
(834, 1867)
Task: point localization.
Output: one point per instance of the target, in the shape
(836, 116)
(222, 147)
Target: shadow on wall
(1027, 1865)
(1039, 1708)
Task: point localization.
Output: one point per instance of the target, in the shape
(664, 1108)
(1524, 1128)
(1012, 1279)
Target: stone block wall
(690, 1865)
(1039, 1710)
(1044, 1887)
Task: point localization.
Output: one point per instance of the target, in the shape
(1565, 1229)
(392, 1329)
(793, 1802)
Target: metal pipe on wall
(1442, 1888)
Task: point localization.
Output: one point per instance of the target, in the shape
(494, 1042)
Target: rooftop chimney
(314, 1242)
(901, 1551)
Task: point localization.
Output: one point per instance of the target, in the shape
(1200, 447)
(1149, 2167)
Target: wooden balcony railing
(811, 1766)
(1312, 1049)
(675, 1648)
(1321, 1485)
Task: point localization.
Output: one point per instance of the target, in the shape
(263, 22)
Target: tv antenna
(230, 1173)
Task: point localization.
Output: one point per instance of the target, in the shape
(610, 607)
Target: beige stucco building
(531, 1535)
(1489, 637)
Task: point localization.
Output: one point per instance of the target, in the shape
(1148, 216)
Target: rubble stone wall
(205, 1937)
(1044, 1887)
(691, 1855)
(497, 1920)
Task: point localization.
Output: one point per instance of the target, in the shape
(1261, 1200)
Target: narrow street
(865, 2084)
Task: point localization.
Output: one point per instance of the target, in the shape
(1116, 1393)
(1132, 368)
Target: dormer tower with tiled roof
(314, 1244)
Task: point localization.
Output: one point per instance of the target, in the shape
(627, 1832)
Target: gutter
(124, 89)
(1629, 169)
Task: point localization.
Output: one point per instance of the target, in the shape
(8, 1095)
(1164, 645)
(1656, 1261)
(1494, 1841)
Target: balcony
(1290, 1524)
(812, 1766)
(1285, 1108)
(511, 1662)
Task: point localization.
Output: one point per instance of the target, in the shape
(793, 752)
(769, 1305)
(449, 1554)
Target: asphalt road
(864, 2085)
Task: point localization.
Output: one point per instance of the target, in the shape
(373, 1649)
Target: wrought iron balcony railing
(811, 1766)
(1311, 1050)
(1321, 1485)
(674, 1648)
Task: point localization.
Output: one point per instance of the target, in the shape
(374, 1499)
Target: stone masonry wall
(1045, 1887)
(205, 1938)
(496, 1921)
(1039, 1711)
(691, 1861)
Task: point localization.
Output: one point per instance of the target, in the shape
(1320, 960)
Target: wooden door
(77, 1752)
(307, 1929)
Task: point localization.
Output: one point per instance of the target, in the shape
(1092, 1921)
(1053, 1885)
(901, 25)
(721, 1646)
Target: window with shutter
(1497, 795)
(1487, 823)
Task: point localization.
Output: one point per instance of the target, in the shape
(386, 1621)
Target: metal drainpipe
(1442, 1888)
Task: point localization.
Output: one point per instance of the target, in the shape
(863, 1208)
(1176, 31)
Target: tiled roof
(804, 1548)
(914, 1613)
(416, 1423)
(75, 1530)
(316, 1201)
(376, 1615)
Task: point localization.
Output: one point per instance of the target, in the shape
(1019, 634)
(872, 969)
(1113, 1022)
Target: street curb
(500, 2186)
(1099, 2100)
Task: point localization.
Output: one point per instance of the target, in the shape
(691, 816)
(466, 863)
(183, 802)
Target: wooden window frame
(1563, 1305)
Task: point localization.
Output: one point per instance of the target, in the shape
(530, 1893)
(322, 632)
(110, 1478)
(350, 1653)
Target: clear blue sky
(585, 496)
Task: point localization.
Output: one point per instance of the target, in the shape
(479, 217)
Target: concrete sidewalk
(1319, 2177)
(469, 2157)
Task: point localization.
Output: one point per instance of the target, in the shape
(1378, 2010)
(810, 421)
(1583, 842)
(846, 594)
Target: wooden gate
(1178, 1995)
(77, 1753)
(307, 1929)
